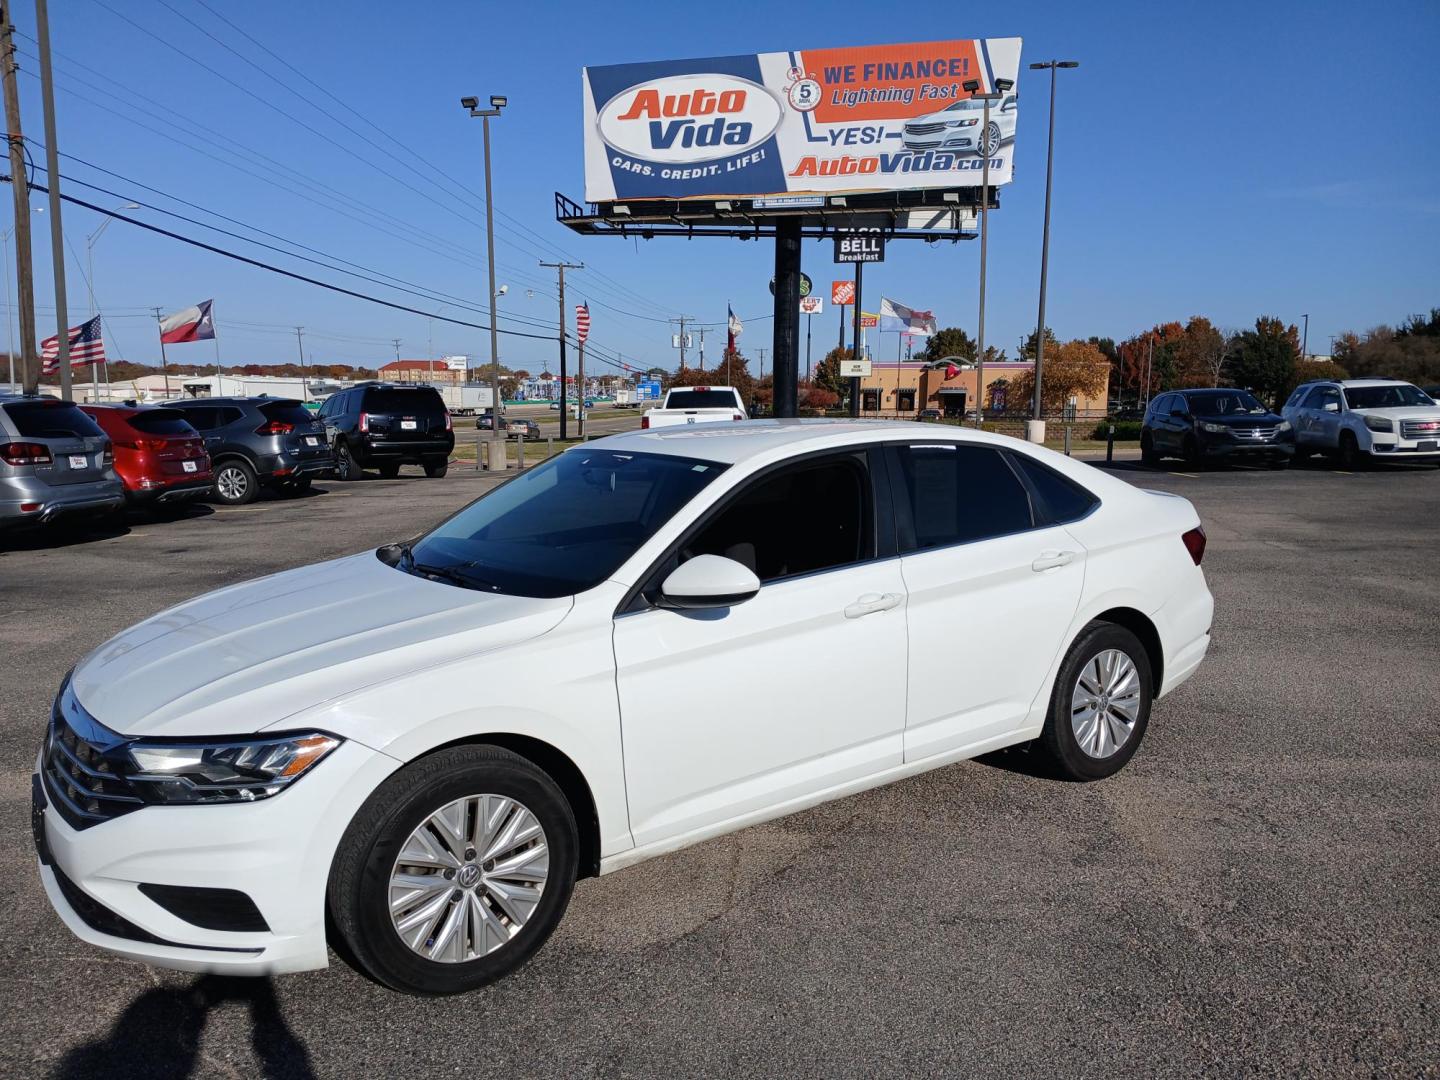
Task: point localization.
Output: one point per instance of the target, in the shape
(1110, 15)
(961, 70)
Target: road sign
(682, 341)
(859, 247)
(805, 285)
(842, 293)
(811, 305)
(855, 369)
(867, 320)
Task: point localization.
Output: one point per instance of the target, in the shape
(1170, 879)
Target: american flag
(582, 322)
(86, 347)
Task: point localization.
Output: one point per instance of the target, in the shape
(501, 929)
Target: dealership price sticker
(764, 125)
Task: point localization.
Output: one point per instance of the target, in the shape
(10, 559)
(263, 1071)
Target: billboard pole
(786, 368)
(855, 379)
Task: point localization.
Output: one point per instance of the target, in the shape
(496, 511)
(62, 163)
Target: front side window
(1385, 397)
(813, 516)
(564, 526)
(1325, 398)
(957, 494)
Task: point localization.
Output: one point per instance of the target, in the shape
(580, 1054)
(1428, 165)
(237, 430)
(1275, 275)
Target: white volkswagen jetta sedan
(606, 658)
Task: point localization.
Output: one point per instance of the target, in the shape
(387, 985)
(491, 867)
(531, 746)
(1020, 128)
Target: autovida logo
(685, 118)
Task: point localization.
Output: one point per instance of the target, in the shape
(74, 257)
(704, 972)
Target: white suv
(1359, 420)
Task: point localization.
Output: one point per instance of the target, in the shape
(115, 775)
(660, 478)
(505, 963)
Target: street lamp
(90, 288)
(497, 102)
(987, 148)
(1053, 65)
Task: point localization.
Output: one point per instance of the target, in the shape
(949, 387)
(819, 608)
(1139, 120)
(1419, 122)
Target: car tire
(436, 469)
(1349, 456)
(1148, 456)
(495, 918)
(1193, 458)
(1280, 463)
(1109, 737)
(346, 467)
(235, 483)
(390, 470)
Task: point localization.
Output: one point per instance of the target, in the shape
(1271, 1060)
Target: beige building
(905, 389)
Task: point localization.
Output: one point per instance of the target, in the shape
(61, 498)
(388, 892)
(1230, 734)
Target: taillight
(735, 416)
(364, 421)
(1194, 542)
(644, 422)
(107, 453)
(25, 453)
(447, 420)
(275, 427)
(143, 444)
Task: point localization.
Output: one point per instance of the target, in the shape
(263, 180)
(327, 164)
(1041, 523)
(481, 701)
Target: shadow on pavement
(158, 1036)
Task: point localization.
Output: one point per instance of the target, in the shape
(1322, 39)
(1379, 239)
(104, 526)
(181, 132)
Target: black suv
(259, 441)
(1207, 425)
(383, 426)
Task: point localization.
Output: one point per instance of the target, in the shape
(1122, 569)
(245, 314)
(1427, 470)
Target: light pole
(1039, 433)
(1305, 340)
(983, 146)
(497, 102)
(90, 287)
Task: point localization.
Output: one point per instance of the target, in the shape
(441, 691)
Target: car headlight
(1214, 429)
(220, 771)
(1379, 423)
(1284, 425)
(971, 122)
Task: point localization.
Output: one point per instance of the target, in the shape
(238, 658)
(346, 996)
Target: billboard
(873, 118)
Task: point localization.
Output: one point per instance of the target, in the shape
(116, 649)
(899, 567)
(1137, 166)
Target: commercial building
(439, 372)
(904, 389)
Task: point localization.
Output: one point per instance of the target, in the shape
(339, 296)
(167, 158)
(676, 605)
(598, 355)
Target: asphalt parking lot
(1255, 893)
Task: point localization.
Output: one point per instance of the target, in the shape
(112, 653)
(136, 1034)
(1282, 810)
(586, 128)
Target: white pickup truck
(695, 405)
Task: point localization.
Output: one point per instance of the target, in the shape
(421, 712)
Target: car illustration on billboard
(877, 118)
(961, 125)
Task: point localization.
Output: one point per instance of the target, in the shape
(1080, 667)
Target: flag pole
(215, 337)
(164, 364)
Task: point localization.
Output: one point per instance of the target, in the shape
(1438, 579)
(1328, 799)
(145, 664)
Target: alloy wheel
(231, 483)
(1105, 703)
(468, 878)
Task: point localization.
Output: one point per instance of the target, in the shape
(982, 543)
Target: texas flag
(191, 324)
(733, 326)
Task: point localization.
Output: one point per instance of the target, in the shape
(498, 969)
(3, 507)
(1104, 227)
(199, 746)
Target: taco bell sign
(874, 118)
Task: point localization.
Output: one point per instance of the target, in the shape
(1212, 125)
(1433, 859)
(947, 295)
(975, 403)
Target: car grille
(923, 129)
(1256, 433)
(81, 779)
(1420, 429)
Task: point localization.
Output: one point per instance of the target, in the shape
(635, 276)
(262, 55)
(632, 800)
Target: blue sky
(1222, 159)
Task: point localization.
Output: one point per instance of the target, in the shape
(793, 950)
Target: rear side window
(958, 494)
(1061, 499)
(408, 402)
(161, 422)
(701, 399)
(51, 420)
(287, 412)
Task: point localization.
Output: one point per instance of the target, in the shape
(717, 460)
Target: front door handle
(872, 602)
(1049, 560)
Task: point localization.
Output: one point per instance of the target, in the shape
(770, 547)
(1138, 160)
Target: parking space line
(1191, 475)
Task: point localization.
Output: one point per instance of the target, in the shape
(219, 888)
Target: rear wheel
(390, 470)
(436, 469)
(455, 871)
(1100, 706)
(1148, 456)
(235, 482)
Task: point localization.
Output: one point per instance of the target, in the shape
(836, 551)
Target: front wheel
(1349, 456)
(455, 871)
(1148, 456)
(1100, 706)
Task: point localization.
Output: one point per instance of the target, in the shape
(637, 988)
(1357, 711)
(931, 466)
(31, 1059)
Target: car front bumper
(1383, 445)
(1236, 448)
(277, 851)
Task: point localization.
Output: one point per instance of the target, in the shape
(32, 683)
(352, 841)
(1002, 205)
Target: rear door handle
(1049, 560)
(870, 603)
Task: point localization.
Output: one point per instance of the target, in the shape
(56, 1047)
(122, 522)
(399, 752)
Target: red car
(160, 458)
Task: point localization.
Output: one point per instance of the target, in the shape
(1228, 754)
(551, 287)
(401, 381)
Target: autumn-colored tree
(1027, 350)
(1410, 351)
(732, 370)
(1075, 369)
(1200, 353)
(817, 398)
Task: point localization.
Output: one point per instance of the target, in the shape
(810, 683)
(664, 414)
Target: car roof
(734, 442)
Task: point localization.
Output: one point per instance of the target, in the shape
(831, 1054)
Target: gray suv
(257, 442)
(55, 463)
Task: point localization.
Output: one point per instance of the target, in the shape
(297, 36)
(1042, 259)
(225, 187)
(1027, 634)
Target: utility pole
(52, 166)
(24, 282)
(702, 348)
(762, 362)
(304, 376)
(164, 364)
(559, 268)
(1305, 341)
(396, 343)
(682, 320)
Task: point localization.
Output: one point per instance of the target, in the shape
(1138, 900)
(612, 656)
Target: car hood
(252, 655)
(1403, 412)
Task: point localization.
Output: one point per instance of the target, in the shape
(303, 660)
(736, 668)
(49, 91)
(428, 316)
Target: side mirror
(709, 581)
(1332, 406)
(1181, 413)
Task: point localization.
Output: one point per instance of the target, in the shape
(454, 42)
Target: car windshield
(1385, 397)
(564, 526)
(286, 412)
(1226, 403)
(701, 399)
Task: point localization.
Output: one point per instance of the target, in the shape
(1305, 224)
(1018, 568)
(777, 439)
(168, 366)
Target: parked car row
(1353, 421)
(60, 460)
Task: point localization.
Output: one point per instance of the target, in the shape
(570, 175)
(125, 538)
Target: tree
(1027, 351)
(1265, 357)
(1410, 351)
(817, 398)
(733, 370)
(827, 372)
(1075, 369)
(951, 341)
(1200, 353)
